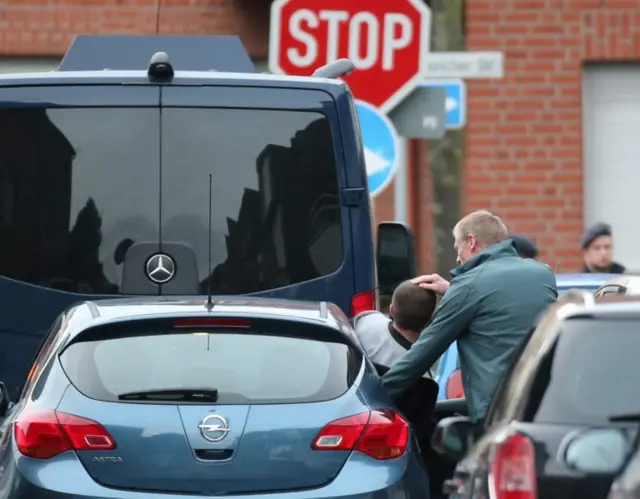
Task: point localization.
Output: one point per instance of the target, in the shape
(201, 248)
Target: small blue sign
(380, 141)
(456, 104)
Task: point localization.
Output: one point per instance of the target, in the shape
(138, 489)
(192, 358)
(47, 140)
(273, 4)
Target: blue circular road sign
(380, 141)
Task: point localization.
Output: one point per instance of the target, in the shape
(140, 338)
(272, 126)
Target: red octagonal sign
(388, 42)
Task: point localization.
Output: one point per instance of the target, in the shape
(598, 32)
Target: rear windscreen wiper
(174, 394)
(632, 417)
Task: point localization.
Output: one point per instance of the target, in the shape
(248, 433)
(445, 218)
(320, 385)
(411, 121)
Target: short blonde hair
(487, 228)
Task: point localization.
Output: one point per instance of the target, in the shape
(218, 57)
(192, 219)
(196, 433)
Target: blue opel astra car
(448, 367)
(139, 398)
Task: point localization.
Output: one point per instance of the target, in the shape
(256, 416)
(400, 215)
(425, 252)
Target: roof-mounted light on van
(160, 67)
(209, 322)
(335, 69)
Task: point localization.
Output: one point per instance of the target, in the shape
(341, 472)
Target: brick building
(524, 155)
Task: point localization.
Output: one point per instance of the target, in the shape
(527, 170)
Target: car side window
(48, 359)
(40, 358)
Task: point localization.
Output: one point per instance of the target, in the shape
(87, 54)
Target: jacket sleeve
(452, 317)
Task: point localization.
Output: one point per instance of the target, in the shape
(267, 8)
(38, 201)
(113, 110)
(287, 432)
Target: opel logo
(214, 428)
(160, 268)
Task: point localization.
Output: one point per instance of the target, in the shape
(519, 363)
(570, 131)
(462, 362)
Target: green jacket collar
(493, 252)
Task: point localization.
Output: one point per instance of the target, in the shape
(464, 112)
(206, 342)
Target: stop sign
(388, 42)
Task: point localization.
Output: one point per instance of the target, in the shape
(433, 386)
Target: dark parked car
(564, 419)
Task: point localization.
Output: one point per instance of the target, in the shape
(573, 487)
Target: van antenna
(210, 270)
(158, 6)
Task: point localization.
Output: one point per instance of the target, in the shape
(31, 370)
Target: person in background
(488, 307)
(386, 340)
(525, 247)
(597, 250)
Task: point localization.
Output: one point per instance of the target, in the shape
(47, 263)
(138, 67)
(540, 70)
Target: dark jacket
(492, 303)
(615, 268)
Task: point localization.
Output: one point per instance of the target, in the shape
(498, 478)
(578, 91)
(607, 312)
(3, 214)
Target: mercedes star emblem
(160, 268)
(214, 428)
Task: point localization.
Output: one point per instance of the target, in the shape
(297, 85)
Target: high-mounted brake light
(513, 469)
(200, 322)
(382, 434)
(363, 302)
(454, 388)
(43, 434)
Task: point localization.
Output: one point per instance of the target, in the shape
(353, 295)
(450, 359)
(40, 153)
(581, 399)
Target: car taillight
(43, 434)
(381, 434)
(513, 469)
(454, 388)
(363, 302)
(199, 322)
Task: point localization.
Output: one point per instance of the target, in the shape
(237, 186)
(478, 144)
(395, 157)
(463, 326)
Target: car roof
(101, 312)
(585, 305)
(629, 281)
(579, 280)
(125, 77)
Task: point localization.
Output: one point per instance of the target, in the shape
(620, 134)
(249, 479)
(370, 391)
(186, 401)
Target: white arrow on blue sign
(380, 141)
(456, 104)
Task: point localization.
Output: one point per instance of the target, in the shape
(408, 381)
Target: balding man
(491, 303)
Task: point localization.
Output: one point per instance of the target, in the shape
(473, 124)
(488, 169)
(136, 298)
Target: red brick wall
(524, 141)
(46, 27)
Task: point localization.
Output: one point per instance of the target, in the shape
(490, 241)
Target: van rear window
(80, 186)
(246, 368)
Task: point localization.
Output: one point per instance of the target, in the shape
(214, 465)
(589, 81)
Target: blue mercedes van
(167, 166)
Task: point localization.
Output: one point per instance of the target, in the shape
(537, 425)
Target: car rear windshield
(80, 186)
(590, 374)
(249, 368)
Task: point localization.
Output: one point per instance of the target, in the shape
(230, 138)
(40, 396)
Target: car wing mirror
(395, 256)
(596, 451)
(453, 437)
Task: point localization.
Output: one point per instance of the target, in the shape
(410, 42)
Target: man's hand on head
(432, 282)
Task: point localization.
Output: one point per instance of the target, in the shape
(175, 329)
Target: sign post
(388, 42)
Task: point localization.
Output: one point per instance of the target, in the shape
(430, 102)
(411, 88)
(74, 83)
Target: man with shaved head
(386, 340)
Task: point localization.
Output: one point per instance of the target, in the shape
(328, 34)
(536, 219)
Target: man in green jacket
(493, 300)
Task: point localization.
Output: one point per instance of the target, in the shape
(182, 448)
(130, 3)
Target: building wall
(524, 141)
(34, 27)
(524, 144)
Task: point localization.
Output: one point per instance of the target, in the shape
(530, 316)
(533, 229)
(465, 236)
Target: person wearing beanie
(525, 247)
(597, 250)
